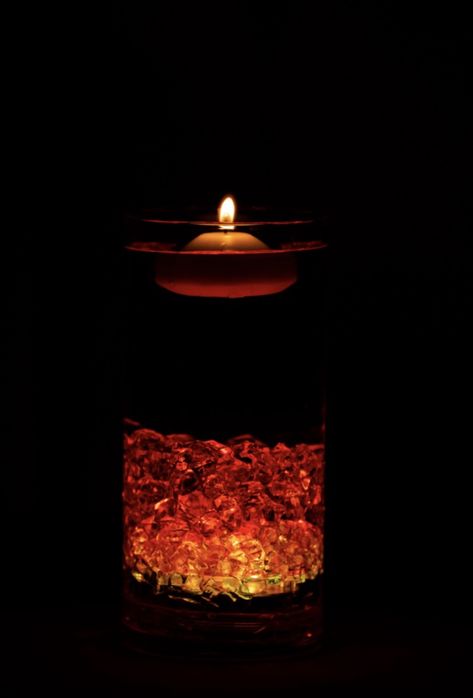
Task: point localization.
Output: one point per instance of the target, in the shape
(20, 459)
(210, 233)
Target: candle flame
(226, 212)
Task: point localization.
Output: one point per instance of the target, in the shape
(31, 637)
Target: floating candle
(226, 238)
(227, 263)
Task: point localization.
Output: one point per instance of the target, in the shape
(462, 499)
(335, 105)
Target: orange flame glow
(226, 212)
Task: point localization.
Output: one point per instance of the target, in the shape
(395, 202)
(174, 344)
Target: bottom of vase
(280, 623)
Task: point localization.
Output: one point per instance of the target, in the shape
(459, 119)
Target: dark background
(359, 111)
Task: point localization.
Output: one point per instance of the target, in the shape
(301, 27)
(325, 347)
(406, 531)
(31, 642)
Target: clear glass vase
(223, 486)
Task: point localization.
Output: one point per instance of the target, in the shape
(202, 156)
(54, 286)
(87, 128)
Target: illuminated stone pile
(205, 519)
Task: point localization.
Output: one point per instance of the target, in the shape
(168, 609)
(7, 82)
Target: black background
(359, 111)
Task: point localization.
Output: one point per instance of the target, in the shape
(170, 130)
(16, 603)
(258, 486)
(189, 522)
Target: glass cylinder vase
(223, 485)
